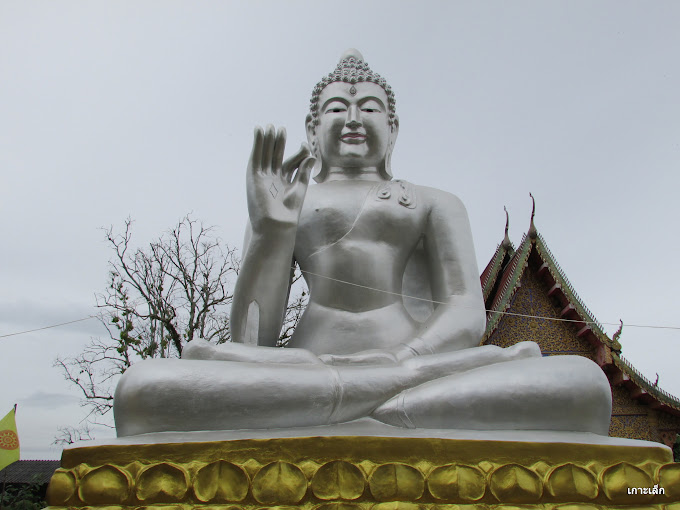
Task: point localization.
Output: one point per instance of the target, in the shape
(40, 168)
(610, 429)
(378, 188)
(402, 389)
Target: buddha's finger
(327, 359)
(268, 148)
(305, 171)
(279, 147)
(296, 193)
(256, 154)
(294, 161)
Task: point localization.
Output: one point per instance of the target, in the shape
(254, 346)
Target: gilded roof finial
(506, 240)
(533, 233)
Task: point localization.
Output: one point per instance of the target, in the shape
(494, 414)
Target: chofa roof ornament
(506, 240)
(533, 233)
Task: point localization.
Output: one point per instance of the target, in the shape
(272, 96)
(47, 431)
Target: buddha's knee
(144, 389)
(567, 393)
(589, 390)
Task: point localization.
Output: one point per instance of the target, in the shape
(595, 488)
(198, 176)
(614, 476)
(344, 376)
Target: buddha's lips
(353, 137)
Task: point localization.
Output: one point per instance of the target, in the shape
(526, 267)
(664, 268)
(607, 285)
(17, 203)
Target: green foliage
(676, 449)
(23, 497)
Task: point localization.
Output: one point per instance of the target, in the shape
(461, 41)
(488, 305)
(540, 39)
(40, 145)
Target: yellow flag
(9, 440)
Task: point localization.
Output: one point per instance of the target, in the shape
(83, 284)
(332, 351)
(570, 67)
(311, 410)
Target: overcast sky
(146, 109)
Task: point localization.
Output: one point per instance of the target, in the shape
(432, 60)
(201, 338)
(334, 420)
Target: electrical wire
(433, 301)
(49, 327)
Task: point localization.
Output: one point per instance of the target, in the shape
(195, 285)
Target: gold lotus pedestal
(362, 473)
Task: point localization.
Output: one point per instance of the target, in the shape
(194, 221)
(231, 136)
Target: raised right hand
(276, 189)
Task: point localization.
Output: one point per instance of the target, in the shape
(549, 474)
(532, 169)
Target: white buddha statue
(361, 349)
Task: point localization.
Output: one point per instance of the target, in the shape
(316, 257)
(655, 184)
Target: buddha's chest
(363, 212)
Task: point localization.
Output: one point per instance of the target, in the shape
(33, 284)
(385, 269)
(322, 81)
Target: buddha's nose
(353, 117)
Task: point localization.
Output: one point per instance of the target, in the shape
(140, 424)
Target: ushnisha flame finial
(352, 69)
(351, 53)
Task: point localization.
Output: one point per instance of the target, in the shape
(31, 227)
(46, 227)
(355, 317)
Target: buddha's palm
(276, 188)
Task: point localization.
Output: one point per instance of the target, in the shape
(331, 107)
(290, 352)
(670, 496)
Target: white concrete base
(370, 427)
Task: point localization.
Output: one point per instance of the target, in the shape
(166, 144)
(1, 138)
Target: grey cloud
(48, 400)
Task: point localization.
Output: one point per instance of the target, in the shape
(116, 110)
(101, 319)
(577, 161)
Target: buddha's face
(353, 129)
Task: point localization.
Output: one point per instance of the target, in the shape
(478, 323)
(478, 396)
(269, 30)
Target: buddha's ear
(317, 172)
(394, 131)
(309, 126)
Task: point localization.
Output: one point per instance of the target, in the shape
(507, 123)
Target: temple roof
(508, 282)
(29, 471)
(493, 269)
(504, 251)
(643, 387)
(501, 279)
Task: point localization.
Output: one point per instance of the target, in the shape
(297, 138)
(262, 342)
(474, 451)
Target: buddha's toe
(393, 413)
(198, 349)
(523, 350)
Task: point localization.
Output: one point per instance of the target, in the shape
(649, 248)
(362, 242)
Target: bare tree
(296, 306)
(71, 435)
(158, 298)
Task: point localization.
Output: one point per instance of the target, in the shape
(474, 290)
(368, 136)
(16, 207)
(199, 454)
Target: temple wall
(554, 337)
(630, 418)
(668, 426)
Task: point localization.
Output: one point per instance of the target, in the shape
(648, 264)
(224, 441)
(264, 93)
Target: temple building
(522, 283)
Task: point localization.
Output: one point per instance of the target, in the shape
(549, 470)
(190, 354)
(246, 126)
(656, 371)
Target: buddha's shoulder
(413, 196)
(438, 199)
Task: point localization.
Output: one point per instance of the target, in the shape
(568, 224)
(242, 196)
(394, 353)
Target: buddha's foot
(198, 349)
(523, 350)
(435, 366)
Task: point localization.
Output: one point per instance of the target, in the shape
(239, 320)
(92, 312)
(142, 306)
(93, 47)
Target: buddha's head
(352, 121)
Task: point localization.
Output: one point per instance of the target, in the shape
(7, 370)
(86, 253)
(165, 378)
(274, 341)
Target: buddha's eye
(336, 108)
(371, 106)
